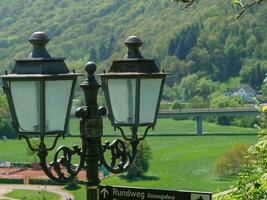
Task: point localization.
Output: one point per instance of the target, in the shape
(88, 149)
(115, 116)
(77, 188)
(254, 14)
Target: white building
(245, 91)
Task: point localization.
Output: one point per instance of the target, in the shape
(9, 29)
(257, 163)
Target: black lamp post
(40, 91)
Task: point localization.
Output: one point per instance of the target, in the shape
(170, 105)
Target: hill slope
(206, 39)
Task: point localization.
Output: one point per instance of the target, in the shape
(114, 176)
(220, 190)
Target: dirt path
(4, 189)
(223, 193)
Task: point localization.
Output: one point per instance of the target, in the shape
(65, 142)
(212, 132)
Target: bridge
(200, 113)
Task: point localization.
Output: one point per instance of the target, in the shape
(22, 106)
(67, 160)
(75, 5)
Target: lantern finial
(90, 68)
(39, 40)
(133, 43)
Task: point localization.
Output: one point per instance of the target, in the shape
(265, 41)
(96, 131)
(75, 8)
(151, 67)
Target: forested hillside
(202, 46)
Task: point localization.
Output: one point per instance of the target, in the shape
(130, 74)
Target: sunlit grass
(33, 195)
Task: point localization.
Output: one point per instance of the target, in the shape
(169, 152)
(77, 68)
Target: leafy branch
(242, 5)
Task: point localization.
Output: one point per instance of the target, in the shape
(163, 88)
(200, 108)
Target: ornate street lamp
(40, 91)
(133, 88)
(36, 106)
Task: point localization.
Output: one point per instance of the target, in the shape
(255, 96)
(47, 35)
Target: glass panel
(149, 96)
(57, 96)
(26, 98)
(122, 99)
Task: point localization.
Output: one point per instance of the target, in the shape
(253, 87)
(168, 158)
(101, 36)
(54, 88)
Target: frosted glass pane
(122, 99)
(57, 96)
(26, 100)
(149, 95)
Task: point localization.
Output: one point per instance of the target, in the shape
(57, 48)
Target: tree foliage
(202, 40)
(253, 72)
(252, 181)
(232, 161)
(6, 130)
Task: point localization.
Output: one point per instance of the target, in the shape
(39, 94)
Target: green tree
(251, 43)
(201, 59)
(182, 43)
(6, 130)
(205, 87)
(197, 102)
(176, 105)
(221, 101)
(3, 106)
(253, 72)
(187, 88)
(231, 162)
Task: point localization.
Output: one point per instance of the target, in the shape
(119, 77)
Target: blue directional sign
(134, 193)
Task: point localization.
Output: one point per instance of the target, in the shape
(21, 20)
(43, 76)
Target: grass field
(170, 126)
(16, 151)
(179, 162)
(33, 195)
(183, 163)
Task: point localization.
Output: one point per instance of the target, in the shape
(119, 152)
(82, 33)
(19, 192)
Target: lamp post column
(91, 159)
(91, 128)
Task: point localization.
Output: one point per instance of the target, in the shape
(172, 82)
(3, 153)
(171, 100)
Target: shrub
(141, 162)
(197, 102)
(6, 129)
(21, 164)
(176, 105)
(244, 121)
(73, 184)
(164, 105)
(231, 162)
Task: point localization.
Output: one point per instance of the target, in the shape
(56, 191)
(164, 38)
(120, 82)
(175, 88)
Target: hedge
(11, 181)
(36, 181)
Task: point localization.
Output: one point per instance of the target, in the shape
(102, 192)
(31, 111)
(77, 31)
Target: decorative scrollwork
(134, 135)
(121, 157)
(61, 169)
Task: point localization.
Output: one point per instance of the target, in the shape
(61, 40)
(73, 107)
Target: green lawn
(179, 162)
(170, 126)
(16, 151)
(78, 194)
(183, 163)
(32, 195)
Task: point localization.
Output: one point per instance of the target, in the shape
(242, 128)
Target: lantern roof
(40, 61)
(133, 61)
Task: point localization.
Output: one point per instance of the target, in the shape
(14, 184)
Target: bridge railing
(197, 114)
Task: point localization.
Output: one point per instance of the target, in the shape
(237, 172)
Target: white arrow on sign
(195, 196)
(105, 192)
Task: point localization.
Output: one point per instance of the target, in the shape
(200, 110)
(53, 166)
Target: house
(229, 92)
(245, 91)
